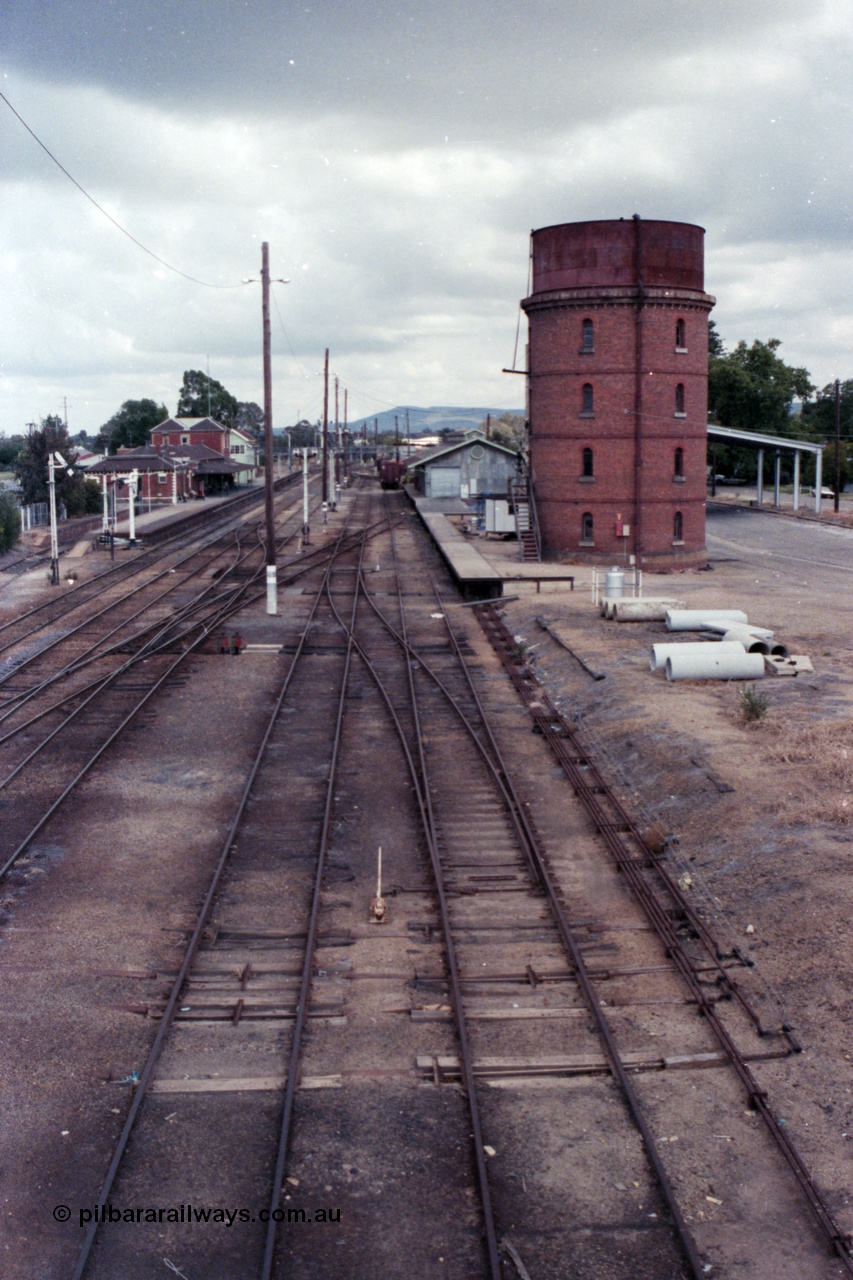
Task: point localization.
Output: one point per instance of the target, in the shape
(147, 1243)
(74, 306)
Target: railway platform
(484, 569)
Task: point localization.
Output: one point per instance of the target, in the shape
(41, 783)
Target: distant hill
(428, 422)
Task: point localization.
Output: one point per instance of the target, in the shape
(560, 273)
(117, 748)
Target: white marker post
(54, 537)
(305, 530)
(132, 486)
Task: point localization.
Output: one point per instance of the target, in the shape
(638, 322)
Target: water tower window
(587, 400)
(587, 472)
(680, 336)
(586, 527)
(587, 337)
(679, 400)
(678, 527)
(678, 466)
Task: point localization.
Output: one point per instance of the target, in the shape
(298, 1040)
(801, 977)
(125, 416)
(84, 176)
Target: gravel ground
(763, 810)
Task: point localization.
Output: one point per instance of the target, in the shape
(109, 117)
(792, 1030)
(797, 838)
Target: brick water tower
(618, 391)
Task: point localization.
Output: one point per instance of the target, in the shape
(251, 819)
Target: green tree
(715, 342)
(10, 522)
(132, 425)
(10, 447)
(507, 430)
(303, 434)
(250, 417)
(818, 423)
(32, 470)
(753, 388)
(818, 416)
(202, 397)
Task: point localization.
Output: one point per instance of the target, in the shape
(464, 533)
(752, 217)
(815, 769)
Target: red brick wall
(588, 271)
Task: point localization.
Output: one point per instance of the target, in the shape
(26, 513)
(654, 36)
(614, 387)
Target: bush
(10, 522)
(753, 705)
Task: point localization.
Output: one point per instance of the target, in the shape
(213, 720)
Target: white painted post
(759, 484)
(54, 537)
(305, 495)
(105, 522)
(777, 479)
(796, 479)
(132, 481)
(818, 480)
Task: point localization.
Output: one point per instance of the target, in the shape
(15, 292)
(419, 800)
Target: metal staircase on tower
(526, 521)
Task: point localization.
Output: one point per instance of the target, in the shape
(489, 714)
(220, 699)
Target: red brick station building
(187, 458)
(618, 391)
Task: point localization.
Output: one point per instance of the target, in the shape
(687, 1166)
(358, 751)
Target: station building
(618, 391)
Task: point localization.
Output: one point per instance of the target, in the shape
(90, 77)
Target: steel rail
(204, 631)
(13, 704)
(420, 779)
(295, 1053)
(242, 597)
(201, 524)
(618, 823)
(530, 845)
(193, 943)
(840, 1241)
(214, 553)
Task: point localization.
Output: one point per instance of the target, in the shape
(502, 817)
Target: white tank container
(614, 583)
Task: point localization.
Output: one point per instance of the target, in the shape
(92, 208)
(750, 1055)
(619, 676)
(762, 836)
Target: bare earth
(764, 810)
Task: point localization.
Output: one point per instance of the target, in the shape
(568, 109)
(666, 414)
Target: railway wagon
(391, 473)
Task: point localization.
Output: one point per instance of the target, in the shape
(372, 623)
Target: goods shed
(465, 468)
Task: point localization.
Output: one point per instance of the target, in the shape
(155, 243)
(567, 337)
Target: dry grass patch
(823, 754)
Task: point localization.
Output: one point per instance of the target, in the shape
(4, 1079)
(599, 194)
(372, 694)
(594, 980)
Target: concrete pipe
(642, 610)
(753, 640)
(723, 625)
(711, 663)
(699, 619)
(660, 652)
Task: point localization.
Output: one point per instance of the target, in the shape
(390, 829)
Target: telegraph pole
(325, 491)
(837, 444)
(337, 417)
(272, 586)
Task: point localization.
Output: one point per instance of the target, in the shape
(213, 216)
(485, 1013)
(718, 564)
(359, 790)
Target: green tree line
(754, 389)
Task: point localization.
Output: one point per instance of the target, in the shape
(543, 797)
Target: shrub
(10, 522)
(753, 705)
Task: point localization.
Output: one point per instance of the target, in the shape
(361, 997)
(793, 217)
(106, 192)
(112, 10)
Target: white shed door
(445, 482)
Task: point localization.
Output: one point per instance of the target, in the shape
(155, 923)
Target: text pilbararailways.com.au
(194, 1215)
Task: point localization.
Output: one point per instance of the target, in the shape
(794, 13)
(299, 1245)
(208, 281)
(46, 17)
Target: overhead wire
(194, 280)
(307, 376)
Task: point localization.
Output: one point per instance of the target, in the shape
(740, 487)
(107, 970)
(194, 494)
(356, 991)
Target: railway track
(491, 1080)
(72, 688)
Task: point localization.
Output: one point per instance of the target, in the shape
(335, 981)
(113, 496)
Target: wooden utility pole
(325, 489)
(837, 444)
(272, 590)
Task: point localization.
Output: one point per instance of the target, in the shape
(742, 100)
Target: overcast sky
(396, 157)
